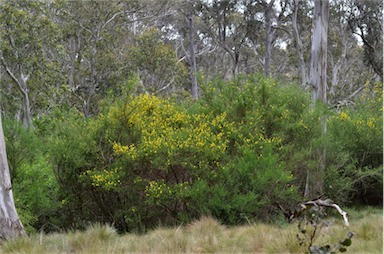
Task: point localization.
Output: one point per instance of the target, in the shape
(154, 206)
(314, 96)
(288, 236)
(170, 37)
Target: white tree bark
(318, 82)
(318, 68)
(10, 225)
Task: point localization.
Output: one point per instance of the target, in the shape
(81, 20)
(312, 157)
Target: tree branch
(327, 203)
(11, 74)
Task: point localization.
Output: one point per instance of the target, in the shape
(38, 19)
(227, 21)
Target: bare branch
(111, 19)
(11, 74)
(327, 203)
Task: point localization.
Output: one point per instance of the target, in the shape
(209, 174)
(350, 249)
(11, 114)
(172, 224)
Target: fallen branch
(328, 203)
(303, 207)
(310, 215)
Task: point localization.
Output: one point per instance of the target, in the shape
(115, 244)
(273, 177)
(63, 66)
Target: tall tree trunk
(318, 82)
(268, 38)
(318, 68)
(192, 58)
(10, 225)
(299, 46)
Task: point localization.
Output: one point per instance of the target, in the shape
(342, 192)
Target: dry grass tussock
(206, 235)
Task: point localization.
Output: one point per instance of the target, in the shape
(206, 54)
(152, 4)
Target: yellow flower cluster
(343, 116)
(121, 149)
(107, 179)
(157, 189)
(371, 122)
(359, 122)
(171, 131)
(302, 124)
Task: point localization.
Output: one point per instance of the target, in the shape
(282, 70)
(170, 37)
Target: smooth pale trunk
(10, 225)
(318, 68)
(318, 81)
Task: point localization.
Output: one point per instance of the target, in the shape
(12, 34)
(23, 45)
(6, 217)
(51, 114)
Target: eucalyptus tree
(344, 56)
(318, 67)
(318, 81)
(188, 34)
(101, 38)
(27, 33)
(156, 63)
(365, 20)
(185, 33)
(300, 22)
(192, 55)
(267, 21)
(94, 35)
(223, 25)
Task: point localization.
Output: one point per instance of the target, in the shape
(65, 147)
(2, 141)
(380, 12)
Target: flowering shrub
(168, 135)
(245, 146)
(184, 162)
(356, 143)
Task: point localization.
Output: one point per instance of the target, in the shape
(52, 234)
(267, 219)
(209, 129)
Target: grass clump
(205, 235)
(95, 237)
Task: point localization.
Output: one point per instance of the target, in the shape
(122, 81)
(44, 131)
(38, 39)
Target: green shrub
(356, 146)
(147, 159)
(246, 145)
(264, 108)
(35, 187)
(70, 145)
(36, 196)
(247, 188)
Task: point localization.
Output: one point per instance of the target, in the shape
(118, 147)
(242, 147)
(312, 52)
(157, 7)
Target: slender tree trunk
(339, 65)
(10, 225)
(236, 67)
(192, 58)
(318, 82)
(27, 117)
(299, 47)
(20, 80)
(268, 38)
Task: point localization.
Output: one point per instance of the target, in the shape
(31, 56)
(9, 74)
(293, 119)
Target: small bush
(356, 151)
(35, 188)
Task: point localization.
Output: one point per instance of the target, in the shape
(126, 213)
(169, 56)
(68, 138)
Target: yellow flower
(343, 116)
(371, 122)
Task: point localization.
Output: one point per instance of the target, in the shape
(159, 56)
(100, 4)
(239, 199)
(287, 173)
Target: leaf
(347, 242)
(342, 249)
(324, 249)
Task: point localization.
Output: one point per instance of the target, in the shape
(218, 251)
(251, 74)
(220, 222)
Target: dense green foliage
(101, 128)
(245, 146)
(356, 151)
(36, 190)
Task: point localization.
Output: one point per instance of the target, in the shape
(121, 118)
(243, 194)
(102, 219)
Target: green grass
(206, 236)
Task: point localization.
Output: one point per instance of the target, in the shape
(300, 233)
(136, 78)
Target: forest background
(140, 113)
